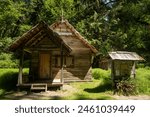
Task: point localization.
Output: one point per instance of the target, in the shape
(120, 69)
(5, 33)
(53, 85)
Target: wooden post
(133, 74)
(61, 52)
(20, 68)
(113, 76)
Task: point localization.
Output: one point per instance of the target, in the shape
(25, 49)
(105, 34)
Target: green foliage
(8, 79)
(8, 64)
(105, 80)
(139, 85)
(4, 42)
(106, 24)
(116, 25)
(126, 87)
(100, 74)
(7, 61)
(10, 14)
(143, 80)
(57, 7)
(2, 92)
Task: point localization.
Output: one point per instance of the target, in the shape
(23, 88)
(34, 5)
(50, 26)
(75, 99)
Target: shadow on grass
(106, 86)
(84, 97)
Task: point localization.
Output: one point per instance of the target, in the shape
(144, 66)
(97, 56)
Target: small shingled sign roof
(124, 55)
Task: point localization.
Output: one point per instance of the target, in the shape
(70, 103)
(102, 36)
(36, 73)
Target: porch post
(20, 67)
(61, 50)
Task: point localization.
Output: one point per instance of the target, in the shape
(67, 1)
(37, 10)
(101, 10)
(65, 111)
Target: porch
(49, 84)
(41, 85)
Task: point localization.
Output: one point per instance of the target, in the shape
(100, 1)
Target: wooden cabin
(123, 64)
(59, 54)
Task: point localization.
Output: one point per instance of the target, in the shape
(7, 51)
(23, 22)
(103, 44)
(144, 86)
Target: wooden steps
(39, 86)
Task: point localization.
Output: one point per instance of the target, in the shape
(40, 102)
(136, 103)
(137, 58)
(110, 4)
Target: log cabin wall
(34, 65)
(44, 46)
(81, 54)
(80, 70)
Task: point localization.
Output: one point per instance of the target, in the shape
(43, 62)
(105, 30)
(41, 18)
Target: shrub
(141, 84)
(7, 61)
(126, 87)
(140, 65)
(2, 92)
(8, 79)
(8, 64)
(104, 77)
(100, 73)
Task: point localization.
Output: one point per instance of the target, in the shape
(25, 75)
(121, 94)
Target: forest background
(109, 25)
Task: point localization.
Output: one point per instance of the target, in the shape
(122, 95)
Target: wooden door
(44, 66)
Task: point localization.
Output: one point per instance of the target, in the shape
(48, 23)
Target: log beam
(36, 36)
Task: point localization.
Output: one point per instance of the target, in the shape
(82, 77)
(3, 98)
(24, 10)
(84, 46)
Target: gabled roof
(73, 32)
(34, 35)
(124, 55)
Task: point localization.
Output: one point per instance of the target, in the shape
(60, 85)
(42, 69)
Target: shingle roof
(124, 55)
(34, 35)
(73, 32)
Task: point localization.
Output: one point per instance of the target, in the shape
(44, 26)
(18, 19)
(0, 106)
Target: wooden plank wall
(81, 70)
(81, 53)
(34, 65)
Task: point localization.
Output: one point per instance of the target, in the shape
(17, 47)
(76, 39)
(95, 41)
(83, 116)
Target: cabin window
(68, 61)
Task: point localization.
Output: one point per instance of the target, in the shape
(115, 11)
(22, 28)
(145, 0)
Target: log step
(39, 86)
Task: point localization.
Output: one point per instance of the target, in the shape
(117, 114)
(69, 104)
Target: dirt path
(53, 95)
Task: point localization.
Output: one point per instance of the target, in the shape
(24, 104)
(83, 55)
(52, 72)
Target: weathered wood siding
(46, 43)
(122, 68)
(80, 71)
(81, 53)
(44, 66)
(34, 65)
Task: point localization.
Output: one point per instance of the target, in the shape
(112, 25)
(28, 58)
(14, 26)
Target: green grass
(143, 80)
(90, 90)
(99, 88)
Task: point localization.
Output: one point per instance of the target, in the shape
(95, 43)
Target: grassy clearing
(100, 88)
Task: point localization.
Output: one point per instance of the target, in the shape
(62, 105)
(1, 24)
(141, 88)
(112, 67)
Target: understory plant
(125, 87)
